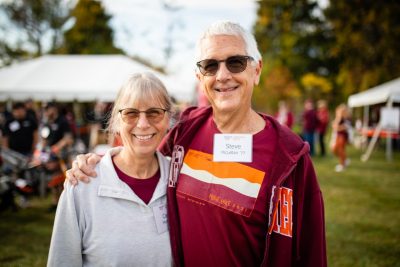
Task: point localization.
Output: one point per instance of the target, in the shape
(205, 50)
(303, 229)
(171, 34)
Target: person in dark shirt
(20, 132)
(56, 138)
(55, 131)
(309, 124)
(30, 110)
(322, 125)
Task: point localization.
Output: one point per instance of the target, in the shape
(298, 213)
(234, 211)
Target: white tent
(384, 93)
(74, 77)
(388, 94)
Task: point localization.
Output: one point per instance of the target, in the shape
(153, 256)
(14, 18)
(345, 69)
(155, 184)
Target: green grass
(362, 210)
(362, 207)
(25, 235)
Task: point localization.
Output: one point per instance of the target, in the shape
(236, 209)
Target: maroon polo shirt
(143, 188)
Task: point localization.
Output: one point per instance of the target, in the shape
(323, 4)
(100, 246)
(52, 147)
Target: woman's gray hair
(230, 28)
(140, 87)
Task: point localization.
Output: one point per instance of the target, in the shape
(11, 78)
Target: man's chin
(224, 107)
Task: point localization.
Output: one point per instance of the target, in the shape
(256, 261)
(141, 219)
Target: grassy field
(362, 207)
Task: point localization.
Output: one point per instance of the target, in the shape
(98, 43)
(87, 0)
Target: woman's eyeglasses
(131, 115)
(235, 64)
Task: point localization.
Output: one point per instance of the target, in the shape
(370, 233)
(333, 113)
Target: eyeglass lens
(234, 64)
(153, 115)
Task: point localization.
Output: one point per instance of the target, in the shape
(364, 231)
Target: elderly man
(242, 189)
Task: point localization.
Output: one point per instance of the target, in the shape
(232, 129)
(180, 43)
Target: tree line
(37, 21)
(331, 52)
(308, 51)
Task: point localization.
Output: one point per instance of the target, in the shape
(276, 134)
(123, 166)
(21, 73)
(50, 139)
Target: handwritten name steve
(232, 149)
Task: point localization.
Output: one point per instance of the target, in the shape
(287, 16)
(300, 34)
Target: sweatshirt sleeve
(310, 226)
(66, 243)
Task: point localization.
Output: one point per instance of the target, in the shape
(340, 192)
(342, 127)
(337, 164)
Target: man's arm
(311, 242)
(64, 142)
(4, 141)
(35, 140)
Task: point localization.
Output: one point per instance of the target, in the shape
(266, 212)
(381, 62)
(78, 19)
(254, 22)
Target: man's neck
(239, 121)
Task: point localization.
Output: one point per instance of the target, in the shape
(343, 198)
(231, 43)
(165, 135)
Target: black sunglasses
(235, 64)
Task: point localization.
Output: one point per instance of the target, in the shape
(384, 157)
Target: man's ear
(258, 69)
(198, 76)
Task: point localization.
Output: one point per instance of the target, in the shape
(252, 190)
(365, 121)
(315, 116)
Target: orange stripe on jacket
(203, 161)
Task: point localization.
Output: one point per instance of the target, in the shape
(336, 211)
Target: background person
(261, 209)
(309, 121)
(20, 131)
(322, 125)
(284, 116)
(120, 218)
(56, 140)
(340, 127)
(55, 130)
(31, 111)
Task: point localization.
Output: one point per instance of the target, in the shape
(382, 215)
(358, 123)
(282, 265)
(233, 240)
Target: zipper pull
(176, 164)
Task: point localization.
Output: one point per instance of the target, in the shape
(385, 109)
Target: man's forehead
(216, 45)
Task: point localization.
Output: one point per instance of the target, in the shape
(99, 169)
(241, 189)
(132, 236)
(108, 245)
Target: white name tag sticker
(160, 215)
(14, 126)
(233, 148)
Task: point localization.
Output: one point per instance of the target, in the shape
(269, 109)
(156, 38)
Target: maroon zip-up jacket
(292, 174)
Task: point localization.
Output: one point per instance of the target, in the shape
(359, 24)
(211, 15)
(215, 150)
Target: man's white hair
(230, 28)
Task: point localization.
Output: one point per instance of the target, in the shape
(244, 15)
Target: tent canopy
(383, 93)
(74, 77)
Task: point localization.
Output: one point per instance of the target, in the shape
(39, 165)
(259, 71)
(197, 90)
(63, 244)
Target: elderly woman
(121, 218)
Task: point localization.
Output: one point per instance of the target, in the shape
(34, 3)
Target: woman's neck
(141, 168)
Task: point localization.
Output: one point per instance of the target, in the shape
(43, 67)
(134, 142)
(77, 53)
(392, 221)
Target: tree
(8, 54)
(316, 87)
(293, 39)
(90, 33)
(352, 45)
(37, 20)
(367, 38)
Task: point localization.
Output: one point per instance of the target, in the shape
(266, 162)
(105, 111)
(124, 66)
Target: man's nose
(223, 73)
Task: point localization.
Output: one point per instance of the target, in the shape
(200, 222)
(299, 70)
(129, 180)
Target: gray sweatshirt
(104, 223)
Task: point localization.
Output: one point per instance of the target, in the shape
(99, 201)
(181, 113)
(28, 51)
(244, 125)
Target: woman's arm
(66, 242)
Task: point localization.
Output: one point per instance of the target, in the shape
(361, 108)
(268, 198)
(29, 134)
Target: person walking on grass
(340, 127)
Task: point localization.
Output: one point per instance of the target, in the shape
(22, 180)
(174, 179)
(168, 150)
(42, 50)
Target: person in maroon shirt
(242, 189)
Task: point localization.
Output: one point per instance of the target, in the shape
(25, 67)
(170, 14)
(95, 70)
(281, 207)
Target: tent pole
(372, 143)
(365, 124)
(389, 154)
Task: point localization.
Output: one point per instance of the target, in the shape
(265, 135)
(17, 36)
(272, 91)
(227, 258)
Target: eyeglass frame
(143, 111)
(198, 64)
